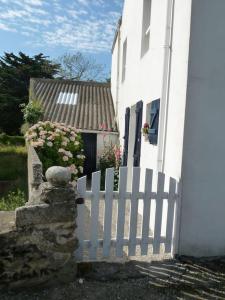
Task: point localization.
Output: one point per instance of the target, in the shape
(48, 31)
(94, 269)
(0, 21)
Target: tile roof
(84, 105)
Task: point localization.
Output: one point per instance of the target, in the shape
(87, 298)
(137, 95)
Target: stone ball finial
(58, 176)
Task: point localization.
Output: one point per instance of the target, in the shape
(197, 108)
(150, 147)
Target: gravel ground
(184, 279)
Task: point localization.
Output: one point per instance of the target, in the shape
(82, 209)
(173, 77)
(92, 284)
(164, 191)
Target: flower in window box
(145, 129)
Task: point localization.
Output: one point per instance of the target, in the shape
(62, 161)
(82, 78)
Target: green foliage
(110, 158)
(78, 66)
(15, 74)
(32, 112)
(57, 145)
(11, 140)
(12, 200)
(13, 168)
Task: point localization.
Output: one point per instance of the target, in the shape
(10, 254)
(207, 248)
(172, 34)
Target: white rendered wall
(177, 89)
(144, 76)
(203, 186)
(114, 74)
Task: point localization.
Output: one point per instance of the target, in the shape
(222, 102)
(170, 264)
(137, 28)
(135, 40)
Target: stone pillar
(41, 248)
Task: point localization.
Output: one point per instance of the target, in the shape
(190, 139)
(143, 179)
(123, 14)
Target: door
(126, 136)
(90, 151)
(137, 143)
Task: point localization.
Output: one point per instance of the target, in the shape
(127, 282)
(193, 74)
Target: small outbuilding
(87, 106)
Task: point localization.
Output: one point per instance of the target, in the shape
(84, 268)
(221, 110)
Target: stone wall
(38, 246)
(34, 166)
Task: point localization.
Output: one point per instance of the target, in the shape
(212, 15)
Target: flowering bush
(57, 144)
(110, 158)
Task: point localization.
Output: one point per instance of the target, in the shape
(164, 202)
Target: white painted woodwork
(146, 212)
(109, 185)
(106, 242)
(95, 186)
(134, 210)
(81, 190)
(121, 211)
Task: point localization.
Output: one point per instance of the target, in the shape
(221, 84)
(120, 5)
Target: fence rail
(153, 224)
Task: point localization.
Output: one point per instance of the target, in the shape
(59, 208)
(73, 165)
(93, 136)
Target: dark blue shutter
(126, 136)
(137, 143)
(154, 121)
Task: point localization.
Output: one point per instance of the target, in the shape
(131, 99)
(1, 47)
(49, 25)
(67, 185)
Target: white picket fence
(154, 226)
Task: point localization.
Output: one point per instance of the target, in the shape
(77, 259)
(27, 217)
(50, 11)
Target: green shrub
(13, 167)
(32, 112)
(12, 200)
(11, 140)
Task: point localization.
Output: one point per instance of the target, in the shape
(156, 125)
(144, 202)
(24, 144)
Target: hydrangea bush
(57, 145)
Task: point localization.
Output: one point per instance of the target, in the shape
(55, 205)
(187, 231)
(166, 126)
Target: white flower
(61, 150)
(72, 138)
(49, 144)
(64, 144)
(81, 169)
(65, 158)
(76, 143)
(69, 154)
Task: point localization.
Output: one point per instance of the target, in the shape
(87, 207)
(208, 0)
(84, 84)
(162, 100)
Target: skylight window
(67, 98)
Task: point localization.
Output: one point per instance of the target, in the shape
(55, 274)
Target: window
(67, 98)
(124, 62)
(152, 119)
(146, 26)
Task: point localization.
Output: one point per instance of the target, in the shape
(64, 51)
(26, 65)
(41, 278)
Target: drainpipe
(166, 85)
(118, 68)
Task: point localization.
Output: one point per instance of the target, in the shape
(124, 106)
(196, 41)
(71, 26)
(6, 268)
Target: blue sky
(54, 27)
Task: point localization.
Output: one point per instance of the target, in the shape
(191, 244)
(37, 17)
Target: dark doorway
(90, 151)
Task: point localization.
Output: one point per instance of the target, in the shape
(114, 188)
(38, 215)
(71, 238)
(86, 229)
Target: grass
(12, 200)
(13, 176)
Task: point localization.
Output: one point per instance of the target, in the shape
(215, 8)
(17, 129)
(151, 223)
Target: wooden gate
(117, 223)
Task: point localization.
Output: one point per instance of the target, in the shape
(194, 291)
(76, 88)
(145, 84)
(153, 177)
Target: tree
(15, 74)
(80, 67)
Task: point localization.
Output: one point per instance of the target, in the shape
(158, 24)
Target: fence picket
(121, 211)
(146, 212)
(81, 190)
(109, 195)
(134, 210)
(170, 215)
(109, 185)
(158, 213)
(95, 187)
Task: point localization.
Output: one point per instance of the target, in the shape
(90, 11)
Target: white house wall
(144, 76)
(114, 73)
(177, 89)
(203, 184)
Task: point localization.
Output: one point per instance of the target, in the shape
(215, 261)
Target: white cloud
(6, 28)
(74, 25)
(34, 2)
